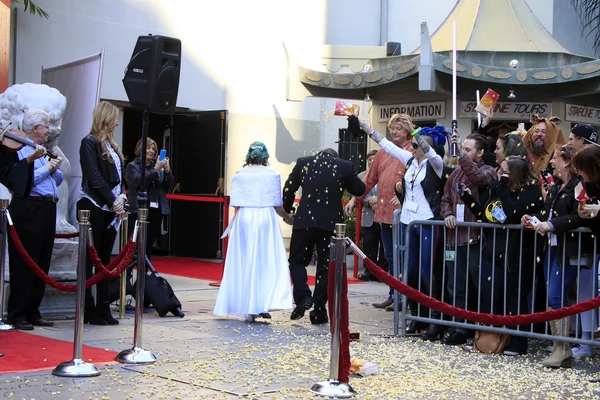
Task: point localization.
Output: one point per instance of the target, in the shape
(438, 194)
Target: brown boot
(562, 356)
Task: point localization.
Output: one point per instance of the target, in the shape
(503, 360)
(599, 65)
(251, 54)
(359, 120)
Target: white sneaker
(583, 351)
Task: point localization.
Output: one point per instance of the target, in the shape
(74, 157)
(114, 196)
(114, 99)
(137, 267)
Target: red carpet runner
(202, 269)
(26, 352)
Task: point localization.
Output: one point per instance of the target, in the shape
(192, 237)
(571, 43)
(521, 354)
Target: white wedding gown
(256, 278)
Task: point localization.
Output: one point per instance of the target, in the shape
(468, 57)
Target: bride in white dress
(256, 278)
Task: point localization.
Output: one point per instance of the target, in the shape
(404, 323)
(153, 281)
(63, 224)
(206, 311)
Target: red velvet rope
(344, 361)
(487, 319)
(66, 235)
(114, 268)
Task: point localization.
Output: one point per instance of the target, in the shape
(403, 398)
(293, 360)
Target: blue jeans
(420, 252)
(388, 249)
(557, 285)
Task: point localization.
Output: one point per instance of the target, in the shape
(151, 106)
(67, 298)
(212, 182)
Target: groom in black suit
(323, 178)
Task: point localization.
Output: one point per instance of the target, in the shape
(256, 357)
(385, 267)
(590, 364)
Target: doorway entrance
(195, 142)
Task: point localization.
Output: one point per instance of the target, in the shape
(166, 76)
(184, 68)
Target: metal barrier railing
(501, 276)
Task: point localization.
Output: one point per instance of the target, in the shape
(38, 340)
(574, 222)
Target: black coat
(593, 192)
(99, 176)
(528, 201)
(15, 174)
(563, 204)
(323, 179)
(158, 184)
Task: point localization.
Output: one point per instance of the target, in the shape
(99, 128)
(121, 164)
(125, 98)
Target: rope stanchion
(114, 268)
(4, 326)
(137, 355)
(66, 235)
(487, 319)
(77, 367)
(339, 366)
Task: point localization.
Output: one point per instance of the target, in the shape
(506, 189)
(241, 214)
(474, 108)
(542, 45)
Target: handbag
(490, 342)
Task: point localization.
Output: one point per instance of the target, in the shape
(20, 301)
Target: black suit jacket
(323, 179)
(99, 176)
(15, 174)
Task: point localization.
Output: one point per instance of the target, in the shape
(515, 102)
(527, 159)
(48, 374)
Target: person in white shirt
(420, 192)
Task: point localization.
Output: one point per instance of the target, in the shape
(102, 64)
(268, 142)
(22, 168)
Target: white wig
(29, 96)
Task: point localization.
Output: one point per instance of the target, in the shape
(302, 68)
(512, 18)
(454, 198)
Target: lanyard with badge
(412, 205)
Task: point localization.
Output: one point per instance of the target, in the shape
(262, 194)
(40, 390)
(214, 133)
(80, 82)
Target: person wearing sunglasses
(420, 191)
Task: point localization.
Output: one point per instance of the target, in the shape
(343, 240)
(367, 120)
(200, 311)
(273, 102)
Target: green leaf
(589, 14)
(33, 9)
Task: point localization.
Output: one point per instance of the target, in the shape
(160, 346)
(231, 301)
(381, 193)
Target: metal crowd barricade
(539, 273)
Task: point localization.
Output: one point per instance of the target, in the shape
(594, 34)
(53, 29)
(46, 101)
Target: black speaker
(152, 76)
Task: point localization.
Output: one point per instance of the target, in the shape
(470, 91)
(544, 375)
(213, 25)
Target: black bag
(159, 293)
(114, 289)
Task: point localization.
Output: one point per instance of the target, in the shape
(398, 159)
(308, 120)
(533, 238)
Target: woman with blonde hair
(102, 194)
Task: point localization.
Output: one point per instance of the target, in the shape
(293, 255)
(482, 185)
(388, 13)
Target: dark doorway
(353, 147)
(198, 141)
(195, 144)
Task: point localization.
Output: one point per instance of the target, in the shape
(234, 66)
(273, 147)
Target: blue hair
(438, 134)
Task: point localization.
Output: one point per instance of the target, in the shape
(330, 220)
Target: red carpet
(26, 352)
(201, 269)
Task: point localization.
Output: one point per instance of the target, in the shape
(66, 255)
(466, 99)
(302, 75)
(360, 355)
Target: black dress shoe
(265, 315)
(318, 317)
(301, 308)
(455, 338)
(384, 304)
(368, 276)
(103, 310)
(40, 322)
(22, 325)
(433, 332)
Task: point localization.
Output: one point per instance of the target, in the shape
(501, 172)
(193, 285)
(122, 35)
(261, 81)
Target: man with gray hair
(34, 219)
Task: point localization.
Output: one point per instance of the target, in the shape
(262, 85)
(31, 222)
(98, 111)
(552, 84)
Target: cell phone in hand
(162, 155)
(534, 221)
(460, 189)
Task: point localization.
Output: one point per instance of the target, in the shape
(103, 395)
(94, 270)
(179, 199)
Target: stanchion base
(4, 326)
(75, 368)
(136, 356)
(332, 388)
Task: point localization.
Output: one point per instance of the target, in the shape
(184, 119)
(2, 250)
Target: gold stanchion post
(123, 287)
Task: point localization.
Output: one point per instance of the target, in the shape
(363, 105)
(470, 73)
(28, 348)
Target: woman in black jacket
(558, 217)
(102, 194)
(587, 162)
(505, 202)
(159, 181)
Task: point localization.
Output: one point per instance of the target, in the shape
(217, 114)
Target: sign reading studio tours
(508, 111)
(417, 111)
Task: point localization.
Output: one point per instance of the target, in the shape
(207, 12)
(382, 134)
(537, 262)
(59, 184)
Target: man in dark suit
(323, 178)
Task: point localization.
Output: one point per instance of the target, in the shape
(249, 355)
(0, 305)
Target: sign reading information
(586, 115)
(506, 111)
(417, 111)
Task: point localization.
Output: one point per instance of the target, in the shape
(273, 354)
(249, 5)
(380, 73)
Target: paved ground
(205, 357)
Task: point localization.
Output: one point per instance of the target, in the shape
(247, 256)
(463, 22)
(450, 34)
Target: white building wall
(233, 55)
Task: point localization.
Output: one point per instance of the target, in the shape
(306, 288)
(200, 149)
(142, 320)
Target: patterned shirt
(472, 176)
(385, 172)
